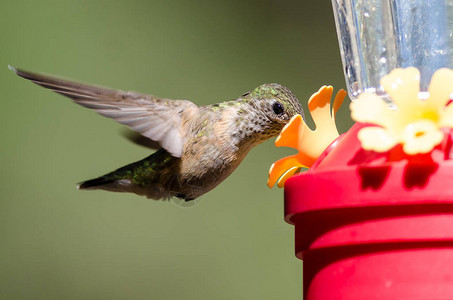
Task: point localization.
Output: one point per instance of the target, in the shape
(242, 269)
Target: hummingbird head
(270, 107)
(277, 102)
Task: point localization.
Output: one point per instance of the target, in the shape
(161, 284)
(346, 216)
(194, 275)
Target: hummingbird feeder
(373, 215)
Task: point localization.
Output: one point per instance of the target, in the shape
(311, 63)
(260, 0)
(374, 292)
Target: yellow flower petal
(319, 106)
(338, 101)
(403, 86)
(376, 139)
(440, 88)
(289, 135)
(286, 175)
(280, 167)
(421, 137)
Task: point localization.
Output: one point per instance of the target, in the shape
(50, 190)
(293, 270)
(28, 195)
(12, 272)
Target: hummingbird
(197, 146)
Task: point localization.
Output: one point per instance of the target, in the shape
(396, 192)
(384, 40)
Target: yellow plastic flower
(309, 143)
(415, 123)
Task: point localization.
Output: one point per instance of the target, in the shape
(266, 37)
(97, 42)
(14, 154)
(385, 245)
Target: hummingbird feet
(183, 196)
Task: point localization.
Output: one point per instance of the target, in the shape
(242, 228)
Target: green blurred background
(60, 243)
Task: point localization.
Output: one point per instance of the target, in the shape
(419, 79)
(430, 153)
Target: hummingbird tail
(144, 177)
(115, 182)
(95, 183)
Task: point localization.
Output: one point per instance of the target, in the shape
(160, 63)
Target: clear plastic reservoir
(377, 36)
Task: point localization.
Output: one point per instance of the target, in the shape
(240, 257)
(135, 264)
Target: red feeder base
(369, 230)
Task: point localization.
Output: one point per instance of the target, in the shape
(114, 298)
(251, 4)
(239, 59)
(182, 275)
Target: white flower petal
(369, 108)
(376, 139)
(421, 137)
(440, 88)
(403, 86)
(447, 117)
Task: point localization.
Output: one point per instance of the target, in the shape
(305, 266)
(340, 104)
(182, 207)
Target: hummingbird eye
(277, 107)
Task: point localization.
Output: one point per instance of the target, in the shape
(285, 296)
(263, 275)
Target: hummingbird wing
(158, 119)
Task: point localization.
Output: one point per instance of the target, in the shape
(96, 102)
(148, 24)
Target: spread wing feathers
(157, 119)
